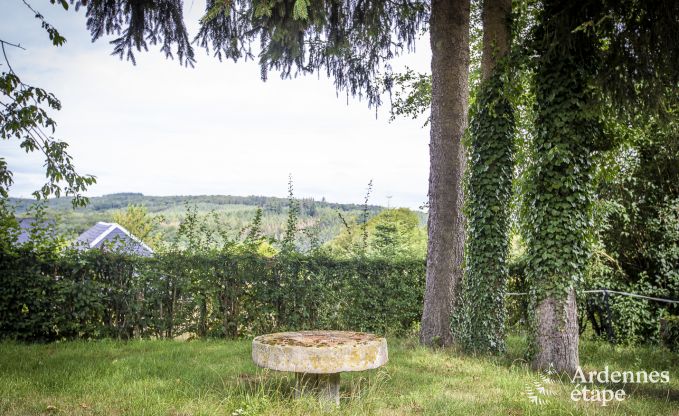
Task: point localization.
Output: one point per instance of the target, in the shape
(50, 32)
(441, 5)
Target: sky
(216, 129)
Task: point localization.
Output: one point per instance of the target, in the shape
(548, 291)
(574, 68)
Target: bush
(232, 292)
(669, 332)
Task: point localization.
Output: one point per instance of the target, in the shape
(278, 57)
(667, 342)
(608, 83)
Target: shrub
(232, 292)
(669, 332)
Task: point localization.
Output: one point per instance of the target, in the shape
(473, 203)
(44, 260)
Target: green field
(218, 378)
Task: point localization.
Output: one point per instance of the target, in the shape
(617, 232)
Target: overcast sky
(162, 129)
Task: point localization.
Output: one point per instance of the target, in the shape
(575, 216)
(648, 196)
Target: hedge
(98, 294)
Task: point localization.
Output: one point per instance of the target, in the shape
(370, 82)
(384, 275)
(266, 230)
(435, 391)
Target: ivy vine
(558, 189)
(489, 191)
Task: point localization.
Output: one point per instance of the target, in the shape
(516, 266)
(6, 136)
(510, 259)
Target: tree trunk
(496, 34)
(202, 318)
(449, 37)
(480, 318)
(557, 334)
(558, 188)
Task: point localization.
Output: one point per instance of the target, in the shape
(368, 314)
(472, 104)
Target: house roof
(25, 225)
(113, 235)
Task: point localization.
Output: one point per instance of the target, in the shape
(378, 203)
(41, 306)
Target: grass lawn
(218, 378)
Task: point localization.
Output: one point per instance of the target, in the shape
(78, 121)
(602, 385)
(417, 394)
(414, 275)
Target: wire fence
(606, 291)
(604, 323)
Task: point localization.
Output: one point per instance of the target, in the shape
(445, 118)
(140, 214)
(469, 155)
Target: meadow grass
(216, 377)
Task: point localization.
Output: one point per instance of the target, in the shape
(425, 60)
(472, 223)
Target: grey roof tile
(112, 236)
(91, 234)
(25, 225)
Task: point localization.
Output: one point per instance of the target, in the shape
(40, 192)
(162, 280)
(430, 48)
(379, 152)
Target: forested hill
(234, 212)
(204, 202)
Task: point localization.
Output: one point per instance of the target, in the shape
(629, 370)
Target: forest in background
(233, 213)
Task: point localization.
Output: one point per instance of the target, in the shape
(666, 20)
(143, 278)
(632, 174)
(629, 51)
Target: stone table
(318, 357)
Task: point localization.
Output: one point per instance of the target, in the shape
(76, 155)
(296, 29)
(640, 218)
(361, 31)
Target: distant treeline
(308, 206)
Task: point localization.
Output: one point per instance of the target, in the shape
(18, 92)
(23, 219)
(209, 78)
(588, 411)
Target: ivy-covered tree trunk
(559, 184)
(449, 37)
(480, 326)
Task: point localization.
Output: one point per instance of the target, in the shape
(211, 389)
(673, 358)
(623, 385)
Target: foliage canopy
(351, 41)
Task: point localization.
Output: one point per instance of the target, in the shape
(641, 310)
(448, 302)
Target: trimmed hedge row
(99, 294)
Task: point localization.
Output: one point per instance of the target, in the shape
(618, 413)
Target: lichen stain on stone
(317, 338)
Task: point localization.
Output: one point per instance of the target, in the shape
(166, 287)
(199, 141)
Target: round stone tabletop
(319, 352)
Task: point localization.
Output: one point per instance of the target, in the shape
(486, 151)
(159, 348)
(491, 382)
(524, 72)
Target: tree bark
(496, 34)
(449, 37)
(557, 334)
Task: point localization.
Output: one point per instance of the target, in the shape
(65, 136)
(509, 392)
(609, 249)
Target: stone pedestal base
(323, 386)
(318, 357)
